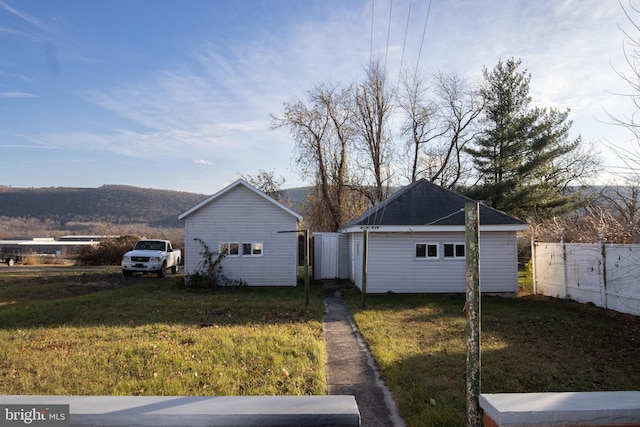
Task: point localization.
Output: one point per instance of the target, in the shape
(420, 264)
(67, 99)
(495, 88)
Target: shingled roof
(423, 203)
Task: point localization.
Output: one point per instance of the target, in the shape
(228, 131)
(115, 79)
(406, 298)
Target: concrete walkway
(350, 367)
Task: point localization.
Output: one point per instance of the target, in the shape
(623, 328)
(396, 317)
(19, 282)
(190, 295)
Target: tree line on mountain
(107, 210)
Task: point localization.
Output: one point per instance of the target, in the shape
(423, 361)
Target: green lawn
(94, 334)
(529, 344)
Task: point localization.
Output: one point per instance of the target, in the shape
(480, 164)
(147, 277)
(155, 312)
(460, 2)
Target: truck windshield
(149, 246)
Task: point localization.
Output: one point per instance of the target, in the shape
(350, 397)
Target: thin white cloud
(43, 147)
(17, 95)
(215, 104)
(203, 162)
(12, 32)
(22, 15)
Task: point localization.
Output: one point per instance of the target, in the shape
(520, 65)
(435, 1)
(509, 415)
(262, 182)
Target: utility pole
(472, 233)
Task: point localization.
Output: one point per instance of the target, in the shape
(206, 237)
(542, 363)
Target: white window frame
(257, 249)
(455, 250)
(222, 248)
(426, 250)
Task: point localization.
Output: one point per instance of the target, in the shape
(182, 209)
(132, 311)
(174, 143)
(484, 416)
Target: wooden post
(564, 268)
(306, 267)
(603, 253)
(365, 255)
(534, 262)
(472, 233)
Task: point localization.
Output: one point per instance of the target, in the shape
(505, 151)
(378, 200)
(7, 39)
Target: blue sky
(178, 95)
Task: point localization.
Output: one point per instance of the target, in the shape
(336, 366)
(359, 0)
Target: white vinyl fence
(607, 275)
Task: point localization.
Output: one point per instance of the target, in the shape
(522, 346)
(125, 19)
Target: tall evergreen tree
(522, 155)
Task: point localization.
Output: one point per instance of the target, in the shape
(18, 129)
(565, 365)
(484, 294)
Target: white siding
(392, 264)
(330, 256)
(241, 215)
(343, 256)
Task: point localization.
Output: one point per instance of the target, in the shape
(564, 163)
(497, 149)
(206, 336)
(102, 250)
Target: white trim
(229, 188)
(455, 251)
(426, 253)
(430, 228)
(229, 254)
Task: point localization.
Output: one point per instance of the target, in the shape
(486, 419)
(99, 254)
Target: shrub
(209, 273)
(107, 252)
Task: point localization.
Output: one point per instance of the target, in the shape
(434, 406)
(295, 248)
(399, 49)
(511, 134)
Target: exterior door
(329, 267)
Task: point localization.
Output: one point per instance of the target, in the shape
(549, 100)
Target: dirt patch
(73, 290)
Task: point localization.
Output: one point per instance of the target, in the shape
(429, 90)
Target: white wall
(337, 266)
(241, 215)
(605, 275)
(392, 264)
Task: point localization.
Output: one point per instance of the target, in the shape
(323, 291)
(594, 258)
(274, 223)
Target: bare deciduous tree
(322, 131)
(269, 184)
(373, 108)
(422, 124)
(439, 121)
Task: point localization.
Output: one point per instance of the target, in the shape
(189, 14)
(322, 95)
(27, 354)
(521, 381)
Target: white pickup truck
(151, 256)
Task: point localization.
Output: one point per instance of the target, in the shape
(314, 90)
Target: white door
(329, 267)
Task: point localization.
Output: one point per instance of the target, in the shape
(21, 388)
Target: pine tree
(520, 155)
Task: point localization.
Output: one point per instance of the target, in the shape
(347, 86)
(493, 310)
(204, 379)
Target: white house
(416, 244)
(257, 233)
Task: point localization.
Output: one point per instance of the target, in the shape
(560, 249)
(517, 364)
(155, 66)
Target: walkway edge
(394, 414)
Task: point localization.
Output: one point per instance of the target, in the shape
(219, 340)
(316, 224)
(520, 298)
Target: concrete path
(350, 367)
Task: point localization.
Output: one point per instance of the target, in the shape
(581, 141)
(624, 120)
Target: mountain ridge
(114, 204)
(110, 203)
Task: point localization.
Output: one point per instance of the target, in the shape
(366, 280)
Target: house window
(453, 250)
(252, 249)
(426, 250)
(230, 249)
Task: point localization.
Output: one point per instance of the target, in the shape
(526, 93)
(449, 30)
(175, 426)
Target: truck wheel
(174, 269)
(11, 262)
(126, 273)
(163, 270)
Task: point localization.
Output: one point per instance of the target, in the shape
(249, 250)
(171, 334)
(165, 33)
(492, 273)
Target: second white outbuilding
(257, 233)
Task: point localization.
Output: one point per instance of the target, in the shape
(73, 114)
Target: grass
(70, 333)
(93, 333)
(529, 344)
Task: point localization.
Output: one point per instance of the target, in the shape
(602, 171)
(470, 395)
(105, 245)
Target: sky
(180, 95)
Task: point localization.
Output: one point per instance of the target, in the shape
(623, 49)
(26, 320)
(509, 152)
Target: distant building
(18, 247)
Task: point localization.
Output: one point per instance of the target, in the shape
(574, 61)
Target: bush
(209, 273)
(107, 252)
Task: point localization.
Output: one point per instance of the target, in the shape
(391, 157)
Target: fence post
(365, 255)
(306, 267)
(534, 261)
(603, 290)
(564, 267)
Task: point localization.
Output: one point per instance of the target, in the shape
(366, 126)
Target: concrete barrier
(179, 411)
(615, 408)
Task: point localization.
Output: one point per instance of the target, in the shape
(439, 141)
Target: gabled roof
(232, 186)
(427, 205)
